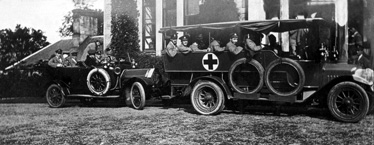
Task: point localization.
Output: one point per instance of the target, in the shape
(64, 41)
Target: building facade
(163, 13)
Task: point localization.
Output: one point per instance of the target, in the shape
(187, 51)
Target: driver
(90, 60)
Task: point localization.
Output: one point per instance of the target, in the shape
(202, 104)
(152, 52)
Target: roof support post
(180, 16)
(284, 14)
(159, 20)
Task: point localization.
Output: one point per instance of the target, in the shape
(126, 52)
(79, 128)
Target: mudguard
(215, 79)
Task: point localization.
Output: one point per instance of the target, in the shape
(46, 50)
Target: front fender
(364, 76)
(217, 80)
(63, 85)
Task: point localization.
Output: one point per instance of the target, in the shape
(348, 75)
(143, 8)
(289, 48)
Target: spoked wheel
(207, 98)
(98, 82)
(348, 102)
(55, 97)
(137, 95)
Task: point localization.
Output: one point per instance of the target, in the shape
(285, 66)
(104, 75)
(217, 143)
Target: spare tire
(98, 81)
(280, 77)
(246, 77)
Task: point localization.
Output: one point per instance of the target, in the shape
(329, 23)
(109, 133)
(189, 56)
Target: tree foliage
(217, 11)
(17, 44)
(125, 38)
(67, 25)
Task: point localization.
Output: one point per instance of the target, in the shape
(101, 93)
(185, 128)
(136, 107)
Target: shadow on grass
(185, 105)
(23, 100)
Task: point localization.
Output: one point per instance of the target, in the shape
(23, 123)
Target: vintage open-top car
(314, 76)
(116, 80)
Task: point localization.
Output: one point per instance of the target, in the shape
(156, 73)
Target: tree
(17, 44)
(125, 27)
(217, 11)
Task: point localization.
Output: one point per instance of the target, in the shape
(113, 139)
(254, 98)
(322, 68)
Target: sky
(46, 15)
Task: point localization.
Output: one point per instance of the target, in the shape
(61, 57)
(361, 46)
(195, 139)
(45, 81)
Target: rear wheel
(207, 98)
(136, 94)
(348, 102)
(55, 96)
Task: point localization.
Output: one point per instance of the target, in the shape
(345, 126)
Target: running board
(264, 97)
(92, 96)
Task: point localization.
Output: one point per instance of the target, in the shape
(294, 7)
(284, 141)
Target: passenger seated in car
(231, 46)
(171, 49)
(273, 46)
(109, 56)
(183, 47)
(57, 60)
(98, 57)
(252, 44)
(216, 46)
(199, 45)
(90, 60)
(71, 60)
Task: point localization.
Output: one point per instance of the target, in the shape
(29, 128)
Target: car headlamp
(117, 70)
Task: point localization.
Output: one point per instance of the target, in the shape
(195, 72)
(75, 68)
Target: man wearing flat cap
(171, 49)
(57, 60)
(183, 47)
(231, 46)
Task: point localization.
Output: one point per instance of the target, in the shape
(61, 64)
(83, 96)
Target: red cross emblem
(210, 62)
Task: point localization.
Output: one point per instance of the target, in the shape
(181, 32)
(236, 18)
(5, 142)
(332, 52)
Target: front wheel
(55, 96)
(207, 98)
(348, 102)
(136, 95)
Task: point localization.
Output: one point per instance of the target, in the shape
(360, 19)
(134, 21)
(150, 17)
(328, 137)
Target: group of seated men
(94, 58)
(252, 44)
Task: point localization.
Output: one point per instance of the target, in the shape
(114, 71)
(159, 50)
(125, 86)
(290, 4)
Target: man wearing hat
(90, 60)
(231, 46)
(252, 43)
(95, 45)
(183, 47)
(363, 59)
(71, 60)
(199, 45)
(171, 48)
(56, 61)
(216, 46)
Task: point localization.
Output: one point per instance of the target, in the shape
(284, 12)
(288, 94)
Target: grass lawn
(36, 123)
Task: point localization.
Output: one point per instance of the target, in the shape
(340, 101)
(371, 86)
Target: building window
(149, 25)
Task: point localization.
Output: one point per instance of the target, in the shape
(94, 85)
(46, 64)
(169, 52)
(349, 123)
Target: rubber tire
(130, 97)
(202, 109)
(62, 100)
(292, 63)
(331, 102)
(371, 100)
(259, 68)
(107, 79)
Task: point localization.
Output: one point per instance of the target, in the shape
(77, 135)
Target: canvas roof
(45, 53)
(263, 26)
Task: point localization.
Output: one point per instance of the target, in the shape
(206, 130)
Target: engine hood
(339, 67)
